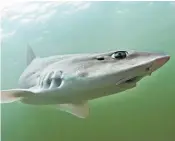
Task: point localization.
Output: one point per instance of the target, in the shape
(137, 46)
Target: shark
(70, 81)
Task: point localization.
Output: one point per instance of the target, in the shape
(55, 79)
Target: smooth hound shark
(70, 81)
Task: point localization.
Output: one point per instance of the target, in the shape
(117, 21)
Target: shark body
(70, 81)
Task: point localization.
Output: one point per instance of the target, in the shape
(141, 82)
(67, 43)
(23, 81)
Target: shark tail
(12, 95)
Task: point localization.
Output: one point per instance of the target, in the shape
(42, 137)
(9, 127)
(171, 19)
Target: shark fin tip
(30, 54)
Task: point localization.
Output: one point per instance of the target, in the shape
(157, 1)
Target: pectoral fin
(12, 95)
(79, 110)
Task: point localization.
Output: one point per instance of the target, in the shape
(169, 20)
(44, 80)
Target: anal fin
(80, 110)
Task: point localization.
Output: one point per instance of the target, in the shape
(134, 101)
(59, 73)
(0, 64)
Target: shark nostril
(148, 69)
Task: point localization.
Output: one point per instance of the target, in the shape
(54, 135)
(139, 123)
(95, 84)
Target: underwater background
(145, 113)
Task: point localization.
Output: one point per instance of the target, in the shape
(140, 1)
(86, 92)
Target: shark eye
(119, 55)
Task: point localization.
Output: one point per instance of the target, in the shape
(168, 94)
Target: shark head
(90, 72)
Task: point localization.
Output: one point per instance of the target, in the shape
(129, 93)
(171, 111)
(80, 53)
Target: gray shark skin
(69, 81)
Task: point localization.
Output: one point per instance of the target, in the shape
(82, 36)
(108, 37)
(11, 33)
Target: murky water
(145, 113)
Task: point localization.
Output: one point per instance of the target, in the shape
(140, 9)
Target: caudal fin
(12, 95)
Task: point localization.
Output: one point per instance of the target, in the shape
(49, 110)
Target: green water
(145, 113)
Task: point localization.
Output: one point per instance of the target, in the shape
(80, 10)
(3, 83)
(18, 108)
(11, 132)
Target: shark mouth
(130, 80)
(134, 79)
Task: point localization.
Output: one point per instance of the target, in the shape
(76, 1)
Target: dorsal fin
(30, 54)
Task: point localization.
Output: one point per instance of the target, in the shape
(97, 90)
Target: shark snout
(160, 61)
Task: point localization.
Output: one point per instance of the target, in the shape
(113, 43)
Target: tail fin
(30, 54)
(12, 95)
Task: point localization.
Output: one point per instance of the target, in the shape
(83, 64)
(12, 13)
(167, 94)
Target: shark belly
(77, 96)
